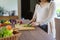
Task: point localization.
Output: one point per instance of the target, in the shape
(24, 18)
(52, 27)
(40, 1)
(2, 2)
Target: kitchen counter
(8, 17)
(37, 34)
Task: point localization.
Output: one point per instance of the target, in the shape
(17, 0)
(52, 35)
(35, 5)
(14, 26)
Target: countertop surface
(37, 34)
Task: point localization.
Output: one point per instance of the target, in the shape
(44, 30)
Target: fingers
(33, 24)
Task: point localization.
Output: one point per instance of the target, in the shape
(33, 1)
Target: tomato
(1, 24)
(9, 27)
(21, 22)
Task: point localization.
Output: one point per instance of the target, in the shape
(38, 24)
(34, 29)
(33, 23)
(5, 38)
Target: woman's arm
(51, 13)
(34, 16)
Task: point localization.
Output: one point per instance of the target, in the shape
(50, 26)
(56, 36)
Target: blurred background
(22, 8)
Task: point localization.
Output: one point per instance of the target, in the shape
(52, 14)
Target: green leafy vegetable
(5, 32)
(27, 25)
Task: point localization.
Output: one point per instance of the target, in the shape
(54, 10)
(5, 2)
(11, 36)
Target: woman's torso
(42, 12)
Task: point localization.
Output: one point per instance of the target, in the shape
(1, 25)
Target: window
(57, 7)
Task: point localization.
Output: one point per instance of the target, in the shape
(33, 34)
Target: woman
(44, 13)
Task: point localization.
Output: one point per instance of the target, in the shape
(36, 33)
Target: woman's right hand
(34, 24)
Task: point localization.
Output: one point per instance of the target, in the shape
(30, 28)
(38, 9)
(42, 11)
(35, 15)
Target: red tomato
(21, 22)
(1, 24)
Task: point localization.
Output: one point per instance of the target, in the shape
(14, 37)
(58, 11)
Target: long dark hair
(40, 1)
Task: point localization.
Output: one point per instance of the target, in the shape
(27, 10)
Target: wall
(10, 5)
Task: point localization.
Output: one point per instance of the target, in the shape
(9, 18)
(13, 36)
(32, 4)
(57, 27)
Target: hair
(40, 1)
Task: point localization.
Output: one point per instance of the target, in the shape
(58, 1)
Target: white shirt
(43, 15)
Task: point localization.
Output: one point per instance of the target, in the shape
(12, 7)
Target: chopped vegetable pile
(27, 25)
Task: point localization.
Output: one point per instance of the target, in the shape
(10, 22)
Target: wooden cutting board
(20, 27)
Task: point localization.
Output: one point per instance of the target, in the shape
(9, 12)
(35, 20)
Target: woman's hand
(34, 24)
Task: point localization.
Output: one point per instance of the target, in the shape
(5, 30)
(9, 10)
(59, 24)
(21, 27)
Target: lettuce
(5, 32)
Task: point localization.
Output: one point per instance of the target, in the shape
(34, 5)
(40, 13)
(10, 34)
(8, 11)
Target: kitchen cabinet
(57, 25)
